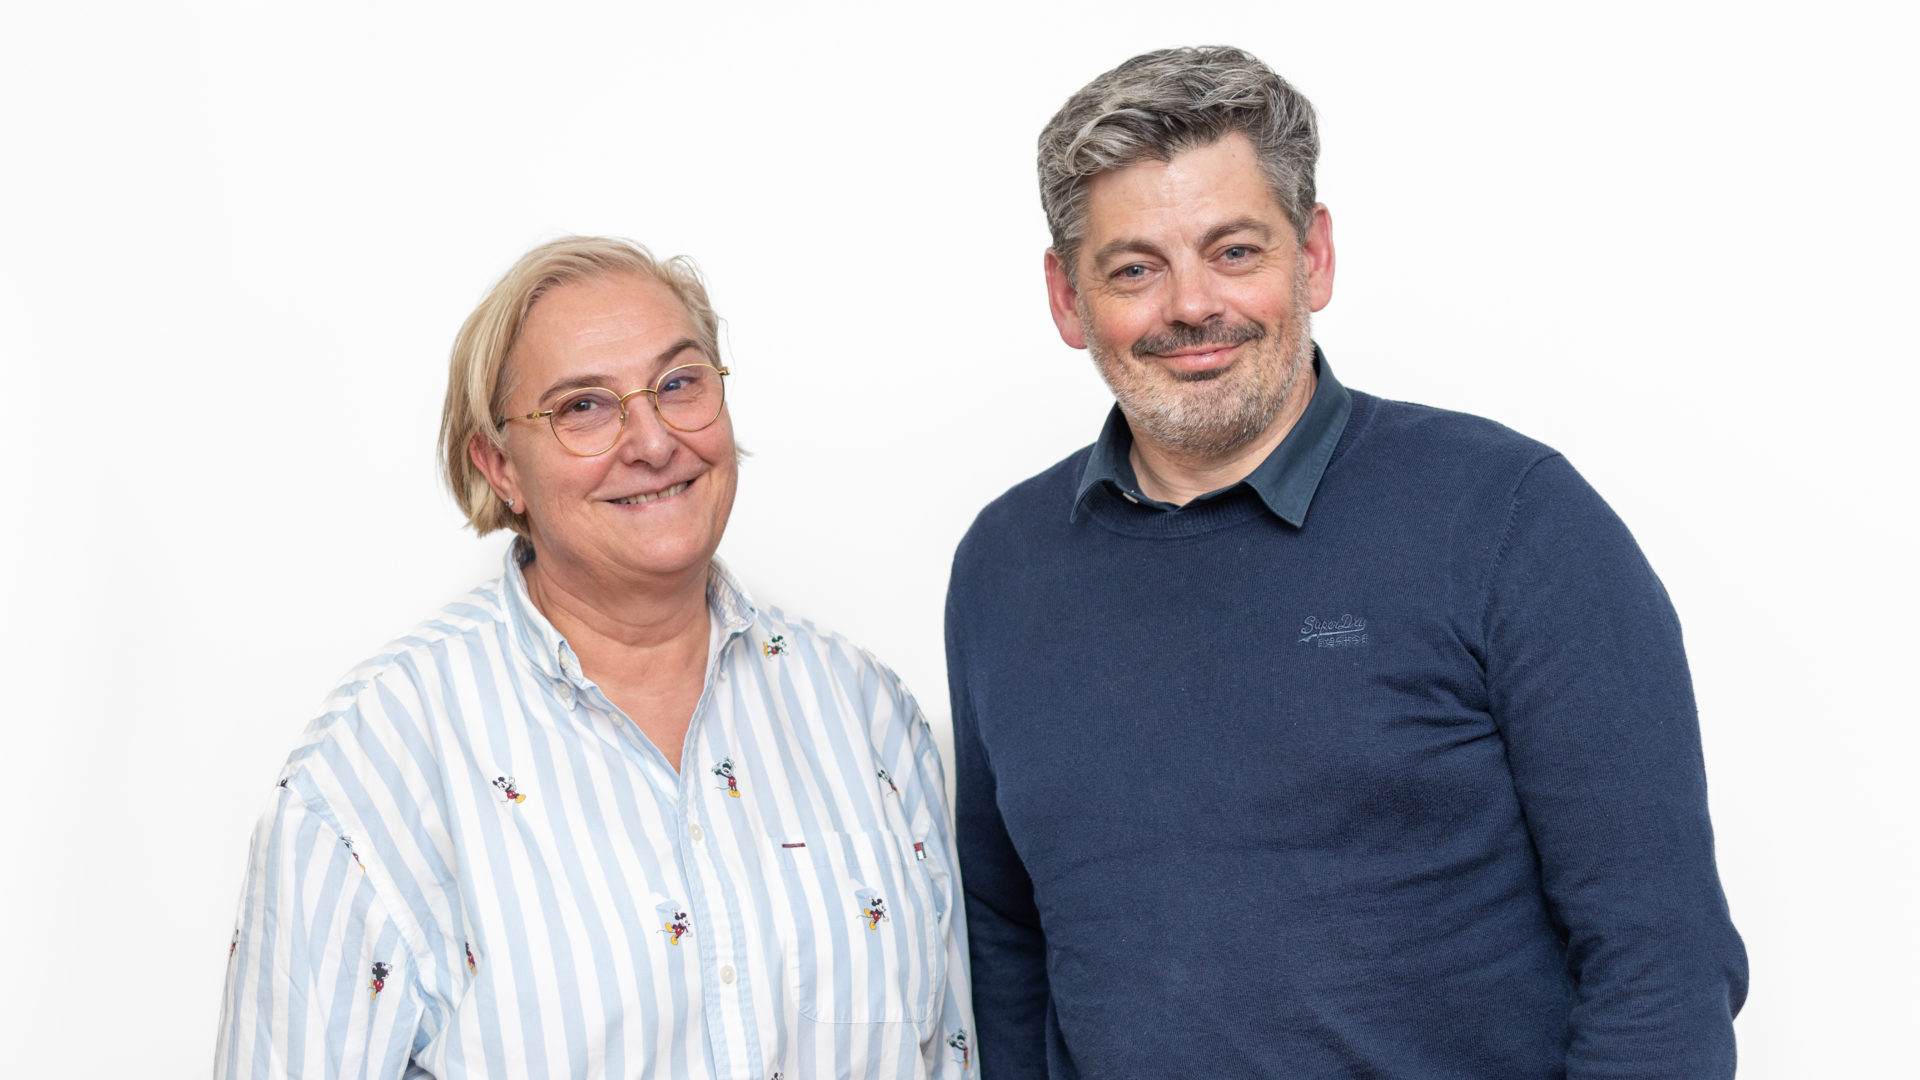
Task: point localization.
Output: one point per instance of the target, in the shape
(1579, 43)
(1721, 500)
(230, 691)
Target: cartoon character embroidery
(380, 972)
(471, 966)
(348, 840)
(509, 788)
(676, 923)
(724, 771)
(961, 1052)
(887, 779)
(873, 908)
(775, 647)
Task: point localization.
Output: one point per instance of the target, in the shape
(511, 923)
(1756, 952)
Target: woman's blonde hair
(478, 382)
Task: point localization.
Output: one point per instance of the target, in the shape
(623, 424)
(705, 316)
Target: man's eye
(1133, 271)
(1238, 252)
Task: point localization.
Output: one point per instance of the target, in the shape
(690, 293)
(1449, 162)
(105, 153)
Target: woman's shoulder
(829, 668)
(402, 685)
(480, 613)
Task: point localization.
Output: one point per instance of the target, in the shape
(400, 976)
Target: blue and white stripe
(388, 841)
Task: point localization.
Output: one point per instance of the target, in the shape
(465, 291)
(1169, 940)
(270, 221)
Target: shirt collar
(1285, 481)
(733, 611)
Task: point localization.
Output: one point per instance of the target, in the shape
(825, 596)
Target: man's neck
(1168, 476)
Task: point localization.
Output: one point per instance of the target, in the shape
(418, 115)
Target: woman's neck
(619, 618)
(644, 645)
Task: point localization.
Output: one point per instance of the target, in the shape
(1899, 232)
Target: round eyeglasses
(589, 421)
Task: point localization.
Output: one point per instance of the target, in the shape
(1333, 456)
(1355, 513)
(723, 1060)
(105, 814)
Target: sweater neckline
(1111, 510)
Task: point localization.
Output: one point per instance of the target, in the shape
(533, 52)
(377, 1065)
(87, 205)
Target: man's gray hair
(1161, 103)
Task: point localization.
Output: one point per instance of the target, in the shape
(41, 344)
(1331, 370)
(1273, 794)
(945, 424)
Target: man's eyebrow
(1131, 245)
(605, 382)
(1246, 224)
(1125, 246)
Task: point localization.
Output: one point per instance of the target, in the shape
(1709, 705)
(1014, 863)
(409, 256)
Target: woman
(603, 816)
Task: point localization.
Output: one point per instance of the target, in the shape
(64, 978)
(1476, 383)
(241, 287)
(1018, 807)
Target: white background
(1675, 242)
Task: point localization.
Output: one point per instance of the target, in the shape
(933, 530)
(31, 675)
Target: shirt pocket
(861, 935)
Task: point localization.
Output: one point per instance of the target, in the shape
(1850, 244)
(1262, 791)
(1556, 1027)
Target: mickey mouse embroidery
(873, 908)
(676, 923)
(962, 1053)
(724, 771)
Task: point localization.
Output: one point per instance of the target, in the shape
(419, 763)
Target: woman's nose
(647, 438)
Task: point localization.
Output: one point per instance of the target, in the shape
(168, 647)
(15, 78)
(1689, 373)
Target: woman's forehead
(622, 325)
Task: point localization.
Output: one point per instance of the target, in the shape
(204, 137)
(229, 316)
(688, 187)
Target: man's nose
(1193, 296)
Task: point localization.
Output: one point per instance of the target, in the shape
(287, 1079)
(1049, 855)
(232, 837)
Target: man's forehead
(1190, 196)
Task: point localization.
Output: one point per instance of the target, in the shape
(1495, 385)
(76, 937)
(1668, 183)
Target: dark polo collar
(1285, 481)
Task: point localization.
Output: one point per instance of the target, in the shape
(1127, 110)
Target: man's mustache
(1213, 332)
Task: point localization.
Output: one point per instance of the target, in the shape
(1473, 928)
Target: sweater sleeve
(1588, 683)
(1006, 944)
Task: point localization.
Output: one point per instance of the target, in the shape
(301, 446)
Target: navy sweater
(1411, 791)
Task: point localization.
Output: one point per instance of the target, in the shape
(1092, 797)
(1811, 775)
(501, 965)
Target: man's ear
(1319, 251)
(1064, 300)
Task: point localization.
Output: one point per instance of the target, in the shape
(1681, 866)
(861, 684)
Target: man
(1300, 732)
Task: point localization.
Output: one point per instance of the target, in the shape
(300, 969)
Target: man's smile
(1197, 360)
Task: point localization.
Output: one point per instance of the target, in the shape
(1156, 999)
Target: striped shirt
(476, 866)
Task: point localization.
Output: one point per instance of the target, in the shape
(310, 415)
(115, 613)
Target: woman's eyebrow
(580, 382)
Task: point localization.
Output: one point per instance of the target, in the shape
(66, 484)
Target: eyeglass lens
(688, 398)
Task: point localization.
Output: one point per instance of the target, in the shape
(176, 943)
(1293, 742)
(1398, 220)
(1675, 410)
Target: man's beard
(1209, 413)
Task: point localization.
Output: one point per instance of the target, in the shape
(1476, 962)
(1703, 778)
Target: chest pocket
(862, 938)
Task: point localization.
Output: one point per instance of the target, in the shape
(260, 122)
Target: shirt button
(698, 835)
(726, 974)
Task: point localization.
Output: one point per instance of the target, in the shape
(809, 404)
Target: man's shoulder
(1041, 503)
(1420, 456)
(1459, 463)
(1443, 438)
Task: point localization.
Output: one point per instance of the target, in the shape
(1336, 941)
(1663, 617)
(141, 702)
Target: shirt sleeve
(1588, 683)
(319, 983)
(948, 1050)
(1006, 943)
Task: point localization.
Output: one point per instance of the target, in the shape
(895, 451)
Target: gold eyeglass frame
(547, 415)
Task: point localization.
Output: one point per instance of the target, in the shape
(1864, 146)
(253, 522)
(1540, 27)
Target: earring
(509, 503)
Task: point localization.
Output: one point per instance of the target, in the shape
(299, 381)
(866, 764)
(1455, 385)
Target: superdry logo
(1333, 633)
